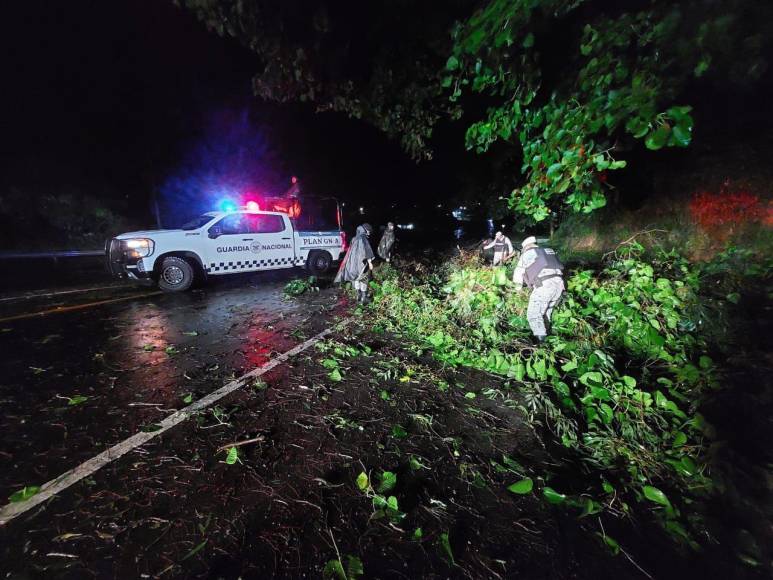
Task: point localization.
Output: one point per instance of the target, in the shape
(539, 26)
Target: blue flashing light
(227, 205)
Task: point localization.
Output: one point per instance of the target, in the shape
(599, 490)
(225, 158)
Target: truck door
(230, 245)
(274, 241)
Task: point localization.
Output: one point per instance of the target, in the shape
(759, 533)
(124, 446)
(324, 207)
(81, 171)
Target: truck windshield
(197, 222)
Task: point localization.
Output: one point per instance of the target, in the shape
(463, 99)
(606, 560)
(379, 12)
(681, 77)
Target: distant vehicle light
(253, 206)
(227, 205)
(406, 226)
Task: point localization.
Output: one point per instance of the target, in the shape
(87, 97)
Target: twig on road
(257, 439)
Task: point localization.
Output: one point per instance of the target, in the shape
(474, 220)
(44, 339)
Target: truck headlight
(140, 247)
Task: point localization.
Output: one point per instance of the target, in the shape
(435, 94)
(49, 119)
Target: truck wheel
(319, 262)
(176, 275)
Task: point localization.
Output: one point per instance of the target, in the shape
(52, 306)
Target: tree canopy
(570, 84)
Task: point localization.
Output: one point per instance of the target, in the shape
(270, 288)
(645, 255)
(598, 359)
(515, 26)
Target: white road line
(61, 292)
(85, 469)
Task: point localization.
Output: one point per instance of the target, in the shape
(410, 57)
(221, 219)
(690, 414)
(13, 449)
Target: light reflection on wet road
(135, 360)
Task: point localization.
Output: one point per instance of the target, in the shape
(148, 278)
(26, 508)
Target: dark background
(135, 104)
(130, 100)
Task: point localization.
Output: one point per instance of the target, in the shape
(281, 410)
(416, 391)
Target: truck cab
(222, 243)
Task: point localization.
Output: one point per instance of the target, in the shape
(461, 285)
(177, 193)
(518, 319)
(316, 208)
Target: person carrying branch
(357, 265)
(541, 270)
(503, 248)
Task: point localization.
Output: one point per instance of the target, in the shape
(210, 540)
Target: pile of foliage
(301, 286)
(617, 386)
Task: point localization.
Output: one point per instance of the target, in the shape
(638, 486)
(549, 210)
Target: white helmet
(530, 241)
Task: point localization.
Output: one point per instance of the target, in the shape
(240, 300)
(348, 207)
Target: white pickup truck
(221, 243)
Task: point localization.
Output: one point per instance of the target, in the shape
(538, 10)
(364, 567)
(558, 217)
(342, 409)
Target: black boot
(365, 297)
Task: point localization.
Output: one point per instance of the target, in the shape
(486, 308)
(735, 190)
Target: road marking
(32, 295)
(59, 309)
(87, 468)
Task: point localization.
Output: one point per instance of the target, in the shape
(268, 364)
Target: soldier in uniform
(503, 248)
(540, 269)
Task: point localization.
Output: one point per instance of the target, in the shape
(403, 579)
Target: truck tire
(319, 262)
(175, 275)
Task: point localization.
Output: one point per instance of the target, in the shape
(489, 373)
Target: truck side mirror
(215, 232)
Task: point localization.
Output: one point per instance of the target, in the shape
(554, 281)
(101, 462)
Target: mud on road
(362, 446)
(75, 382)
(290, 503)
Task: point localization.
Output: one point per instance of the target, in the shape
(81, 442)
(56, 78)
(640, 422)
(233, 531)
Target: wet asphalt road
(102, 364)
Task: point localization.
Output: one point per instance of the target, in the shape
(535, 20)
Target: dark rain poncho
(386, 243)
(354, 266)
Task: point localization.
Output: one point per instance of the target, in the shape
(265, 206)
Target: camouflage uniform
(540, 269)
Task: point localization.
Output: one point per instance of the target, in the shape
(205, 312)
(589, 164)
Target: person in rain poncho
(540, 269)
(387, 242)
(358, 263)
(503, 248)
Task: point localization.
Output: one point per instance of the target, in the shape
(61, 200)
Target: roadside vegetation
(638, 345)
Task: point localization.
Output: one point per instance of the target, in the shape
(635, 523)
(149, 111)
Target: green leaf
(733, 297)
(685, 466)
(418, 534)
(569, 366)
(655, 495)
(195, 550)
(233, 456)
(681, 136)
(151, 428)
(399, 432)
(335, 375)
(552, 496)
(24, 493)
(612, 544)
(392, 503)
(591, 378)
(362, 481)
(354, 567)
(452, 63)
(445, 545)
(554, 171)
(388, 481)
(528, 42)
(187, 399)
(77, 400)
(658, 138)
(334, 570)
(521, 487)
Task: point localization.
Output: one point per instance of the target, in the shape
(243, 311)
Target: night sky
(113, 98)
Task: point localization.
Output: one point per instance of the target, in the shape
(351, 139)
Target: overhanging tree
(569, 80)
(565, 81)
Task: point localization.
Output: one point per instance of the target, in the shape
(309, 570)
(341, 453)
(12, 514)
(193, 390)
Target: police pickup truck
(221, 243)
